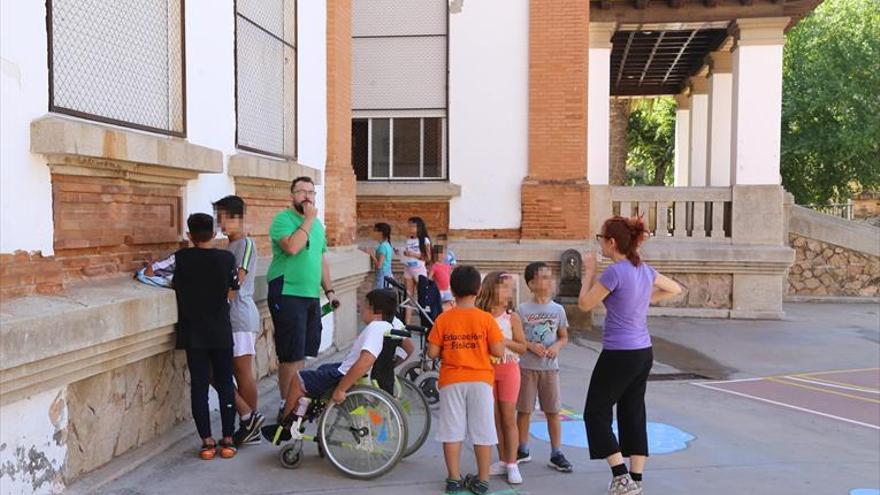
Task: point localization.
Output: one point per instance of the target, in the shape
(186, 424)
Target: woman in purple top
(627, 287)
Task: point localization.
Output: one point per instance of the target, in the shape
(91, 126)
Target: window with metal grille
(121, 63)
(265, 76)
(398, 148)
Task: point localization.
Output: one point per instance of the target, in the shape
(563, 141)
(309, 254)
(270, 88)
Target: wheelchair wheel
(365, 436)
(413, 369)
(427, 383)
(417, 412)
(291, 455)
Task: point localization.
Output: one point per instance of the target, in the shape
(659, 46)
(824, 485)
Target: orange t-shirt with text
(464, 335)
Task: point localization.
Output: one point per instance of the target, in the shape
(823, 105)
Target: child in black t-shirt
(203, 279)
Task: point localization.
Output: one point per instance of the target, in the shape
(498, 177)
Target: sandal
(227, 449)
(208, 451)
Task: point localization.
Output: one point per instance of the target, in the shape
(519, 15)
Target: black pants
(201, 362)
(620, 377)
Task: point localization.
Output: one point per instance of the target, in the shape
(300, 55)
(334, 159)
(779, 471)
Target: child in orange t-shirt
(464, 337)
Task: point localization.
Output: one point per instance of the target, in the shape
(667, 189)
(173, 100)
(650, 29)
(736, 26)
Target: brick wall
(396, 213)
(263, 203)
(104, 227)
(555, 195)
(339, 179)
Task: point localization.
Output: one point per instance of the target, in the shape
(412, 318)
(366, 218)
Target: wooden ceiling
(659, 62)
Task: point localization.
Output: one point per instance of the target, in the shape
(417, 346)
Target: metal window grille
(121, 63)
(265, 76)
(399, 148)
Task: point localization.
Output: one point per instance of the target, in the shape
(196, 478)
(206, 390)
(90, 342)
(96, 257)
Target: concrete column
(682, 140)
(758, 211)
(757, 100)
(720, 117)
(598, 101)
(699, 132)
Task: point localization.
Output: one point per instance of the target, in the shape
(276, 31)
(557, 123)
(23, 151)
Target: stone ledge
(409, 190)
(59, 137)
(52, 341)
(832, 299)
(259, 168)
(837, 231)
(666, 256)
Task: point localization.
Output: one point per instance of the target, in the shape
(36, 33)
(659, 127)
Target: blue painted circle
(864, 491)
(662, 438)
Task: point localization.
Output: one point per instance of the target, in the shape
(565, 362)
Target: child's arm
(360, 368)
(433, 350)
(167, 263)
(518, 343)
(378, 261)
(561, 341)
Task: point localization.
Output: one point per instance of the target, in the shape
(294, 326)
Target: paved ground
(732, 444)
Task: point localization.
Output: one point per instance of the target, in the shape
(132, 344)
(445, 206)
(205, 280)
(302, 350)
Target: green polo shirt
(301, 271)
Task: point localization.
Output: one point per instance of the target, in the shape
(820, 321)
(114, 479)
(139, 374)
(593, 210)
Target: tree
(831, 102)
(651, 140)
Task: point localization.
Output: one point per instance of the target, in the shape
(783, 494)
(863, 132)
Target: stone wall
(823, 269)
(701, 290)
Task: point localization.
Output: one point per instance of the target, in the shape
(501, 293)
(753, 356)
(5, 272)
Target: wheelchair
(424, 373)
(366, 435)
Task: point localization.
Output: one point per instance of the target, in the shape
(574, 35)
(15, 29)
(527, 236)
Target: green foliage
(831, 102)
(651, 142)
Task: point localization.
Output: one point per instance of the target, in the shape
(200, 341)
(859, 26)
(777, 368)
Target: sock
(282, 404)
(635, 476)
(512, 464)
(619, 470)
(524, 447)
(555, 451)
(247, 417)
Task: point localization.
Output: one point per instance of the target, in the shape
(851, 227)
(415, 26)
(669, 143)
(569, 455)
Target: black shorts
(317, 382)
(297, 322)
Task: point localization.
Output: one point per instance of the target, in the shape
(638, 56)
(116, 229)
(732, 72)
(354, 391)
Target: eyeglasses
(306, 192)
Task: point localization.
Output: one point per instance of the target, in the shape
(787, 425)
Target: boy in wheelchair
(371, 345)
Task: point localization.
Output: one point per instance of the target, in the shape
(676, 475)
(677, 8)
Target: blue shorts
(319, 381)
(380, 278)
(297, 324)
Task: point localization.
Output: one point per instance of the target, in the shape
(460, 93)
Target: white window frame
(391, 177)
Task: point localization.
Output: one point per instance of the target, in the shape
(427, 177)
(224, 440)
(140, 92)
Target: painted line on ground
(834, 372)
(822, 390)
(783, 404)
(738, 380)
(854, 388)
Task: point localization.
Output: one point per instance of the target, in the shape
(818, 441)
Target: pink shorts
(507, 378)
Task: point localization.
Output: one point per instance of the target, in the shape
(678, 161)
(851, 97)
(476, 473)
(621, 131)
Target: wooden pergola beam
(691, 11)
(651, 57)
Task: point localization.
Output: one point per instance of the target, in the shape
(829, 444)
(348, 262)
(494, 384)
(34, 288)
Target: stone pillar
(599, 87)
(682, 140)
(720, 117)
(757, 100)
(555, 194)
(699, 131)
(758, 211)
(340, 184)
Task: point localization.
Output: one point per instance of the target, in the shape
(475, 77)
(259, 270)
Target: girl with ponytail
(626, 288)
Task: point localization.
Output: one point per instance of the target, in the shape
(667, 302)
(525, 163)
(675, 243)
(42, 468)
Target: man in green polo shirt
(296, 276)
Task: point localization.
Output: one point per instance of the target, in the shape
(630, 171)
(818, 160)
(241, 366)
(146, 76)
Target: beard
(298, 206)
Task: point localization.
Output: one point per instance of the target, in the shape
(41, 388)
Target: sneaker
(278, 433)
(523, 456)
(623, 485)
(453, 486)
(249, 431)
(638, 484)
(560, 463)
(513, 475)
(477, 487)
(498, 468)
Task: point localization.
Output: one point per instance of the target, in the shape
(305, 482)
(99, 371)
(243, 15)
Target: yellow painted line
(853, 370)
(826, 391)
(833, 383)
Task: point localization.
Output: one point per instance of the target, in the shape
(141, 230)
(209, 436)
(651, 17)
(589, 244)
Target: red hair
(628, 235)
